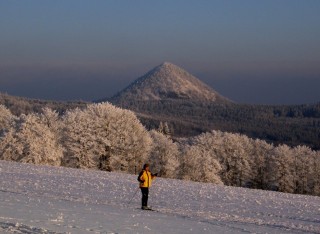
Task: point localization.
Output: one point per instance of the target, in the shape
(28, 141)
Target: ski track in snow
(43, 199)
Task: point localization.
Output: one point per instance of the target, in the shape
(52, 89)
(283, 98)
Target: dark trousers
(145, 194)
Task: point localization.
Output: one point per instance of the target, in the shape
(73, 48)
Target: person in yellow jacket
(145, 178)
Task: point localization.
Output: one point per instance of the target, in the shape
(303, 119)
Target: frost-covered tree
(161, 127)
(6, 119)
(31, 141)
(8, 145)
(199, 165)
(164, 155)
(234, 160)
(315, 179)
(302, 166)
(164, 128)
(51, 119)
(105, 137)
(260, 151)
(231, 152)
(280, 167)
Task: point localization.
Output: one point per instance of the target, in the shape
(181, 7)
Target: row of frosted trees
(98, 137)
(105, 137)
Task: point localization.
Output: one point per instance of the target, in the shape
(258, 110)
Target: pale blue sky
(250, 51)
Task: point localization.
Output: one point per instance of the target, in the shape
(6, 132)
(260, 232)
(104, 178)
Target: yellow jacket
(147, 178)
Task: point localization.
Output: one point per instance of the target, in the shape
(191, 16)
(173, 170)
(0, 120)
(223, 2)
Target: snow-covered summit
(169, 82)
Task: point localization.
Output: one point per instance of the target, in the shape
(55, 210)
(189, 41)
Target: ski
(149, 209)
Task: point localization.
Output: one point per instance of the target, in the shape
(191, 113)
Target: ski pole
(133, 196)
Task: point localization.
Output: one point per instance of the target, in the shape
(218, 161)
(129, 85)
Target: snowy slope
(42, 199)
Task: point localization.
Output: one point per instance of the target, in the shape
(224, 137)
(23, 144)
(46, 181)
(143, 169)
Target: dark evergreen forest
(286, 124)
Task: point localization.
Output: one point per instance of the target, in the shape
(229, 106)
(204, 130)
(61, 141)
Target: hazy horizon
(248, 51)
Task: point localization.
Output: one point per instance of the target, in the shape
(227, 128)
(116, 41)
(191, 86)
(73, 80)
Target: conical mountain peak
(168, 82)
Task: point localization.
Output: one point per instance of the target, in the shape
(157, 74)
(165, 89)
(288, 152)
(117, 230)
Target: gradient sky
(250, 51)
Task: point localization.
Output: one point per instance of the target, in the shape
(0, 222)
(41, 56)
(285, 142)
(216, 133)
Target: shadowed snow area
(42, 199)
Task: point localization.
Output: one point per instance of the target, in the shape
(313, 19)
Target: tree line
(22, 105)
(105, 137)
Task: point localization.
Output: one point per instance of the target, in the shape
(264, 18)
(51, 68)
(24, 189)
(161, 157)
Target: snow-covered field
(42, 199)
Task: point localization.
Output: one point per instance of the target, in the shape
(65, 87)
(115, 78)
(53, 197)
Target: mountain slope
(43, 199)
(168, 82)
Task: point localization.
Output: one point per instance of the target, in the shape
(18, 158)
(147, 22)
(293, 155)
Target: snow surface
(43, 199)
